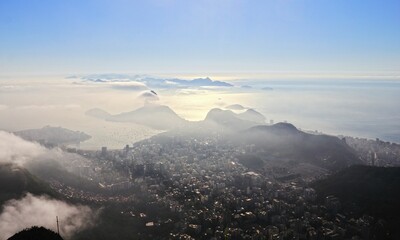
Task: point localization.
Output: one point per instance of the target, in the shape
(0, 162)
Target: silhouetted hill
(285, 141)
(252, 115)
(36, 233)
(235, 107)
(15, 181)
(228, 119)
(151, 115)
(98, 113)
(155, 116)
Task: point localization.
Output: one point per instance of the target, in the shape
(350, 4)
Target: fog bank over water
(365, 108)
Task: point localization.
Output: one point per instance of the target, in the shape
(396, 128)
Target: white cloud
(15, 150)
(72, 106)
(170, 82)
(47, 107)
(32, 210)
(36, 107)
(42, 211)
(149, 96)
(190, 91)
(131, 85)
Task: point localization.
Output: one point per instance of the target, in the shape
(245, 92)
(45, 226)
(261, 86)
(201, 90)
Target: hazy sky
(202, 36)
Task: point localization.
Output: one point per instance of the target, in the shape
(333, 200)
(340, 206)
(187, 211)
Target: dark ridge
(16, 181)
(276, 128)
(287, 126)
(36, 233)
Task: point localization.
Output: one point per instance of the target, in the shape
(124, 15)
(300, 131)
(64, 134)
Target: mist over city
(168, 119)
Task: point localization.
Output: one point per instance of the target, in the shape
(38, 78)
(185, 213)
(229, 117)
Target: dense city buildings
(201, 190)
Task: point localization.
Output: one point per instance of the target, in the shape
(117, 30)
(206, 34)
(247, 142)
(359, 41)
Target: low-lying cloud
(132, 86)
(14, 149)
(42, 211)
(18, 214)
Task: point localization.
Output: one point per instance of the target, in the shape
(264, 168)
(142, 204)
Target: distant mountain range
(282, 141)
(163, 117)
(156, 82)
(199, 82)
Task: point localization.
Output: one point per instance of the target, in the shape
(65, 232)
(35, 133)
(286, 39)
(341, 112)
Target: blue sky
(202, 36)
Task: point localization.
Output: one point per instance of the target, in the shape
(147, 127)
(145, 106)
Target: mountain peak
(152, 115)
(253, 116)
(235, 107)
(218, 113)
(284, 126)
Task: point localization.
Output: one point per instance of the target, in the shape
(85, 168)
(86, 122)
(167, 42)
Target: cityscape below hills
(231, 169)
(199, 120)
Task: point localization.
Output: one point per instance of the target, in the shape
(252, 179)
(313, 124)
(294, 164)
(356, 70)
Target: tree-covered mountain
(16, 181)
(285, 141)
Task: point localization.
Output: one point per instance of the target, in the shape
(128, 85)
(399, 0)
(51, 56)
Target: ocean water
(361, 108)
